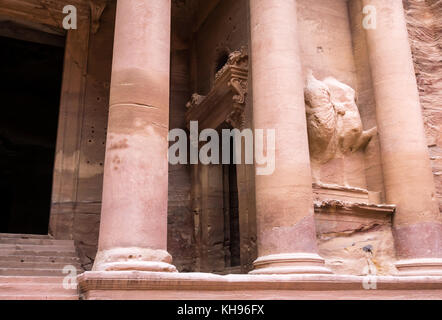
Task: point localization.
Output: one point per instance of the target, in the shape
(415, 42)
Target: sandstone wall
(76, 214)
(180, 239)
(424, 18)
(326, 40)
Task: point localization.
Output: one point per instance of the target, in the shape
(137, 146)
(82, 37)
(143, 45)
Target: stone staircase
(31, 267)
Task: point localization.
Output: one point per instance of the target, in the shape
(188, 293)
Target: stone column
(407, 172)
(284, 207)
(133, 229)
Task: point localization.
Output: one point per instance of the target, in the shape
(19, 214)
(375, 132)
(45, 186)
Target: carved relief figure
(333, 120)
(234, 74)
(351, 136)
(321, 119)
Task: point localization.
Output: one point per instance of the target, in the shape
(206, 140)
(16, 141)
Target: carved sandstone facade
(356, 189)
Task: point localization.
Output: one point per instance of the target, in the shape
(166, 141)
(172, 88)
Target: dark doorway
(231, 211)
(30, 97)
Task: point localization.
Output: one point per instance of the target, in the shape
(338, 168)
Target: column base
(290, 263)
(133, 259)
(420, 267)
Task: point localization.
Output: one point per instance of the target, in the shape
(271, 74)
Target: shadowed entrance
(30, 97)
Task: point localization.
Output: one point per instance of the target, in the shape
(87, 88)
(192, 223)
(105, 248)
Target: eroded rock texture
(424, 19)
(368, 249)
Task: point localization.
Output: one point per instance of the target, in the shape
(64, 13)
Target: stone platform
(202, 286)
(32, 267)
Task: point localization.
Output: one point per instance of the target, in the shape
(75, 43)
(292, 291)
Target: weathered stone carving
(238, 82)
(239, 85)
(195, 100)
(237, 59)
(236, 117)
(321, 118)
(233, 77)
(333, 121)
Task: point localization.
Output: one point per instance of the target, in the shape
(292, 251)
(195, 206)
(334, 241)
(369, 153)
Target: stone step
(24, 236)
(31, 267)
(36, 241)
(37, 247)
(38, 297)
(31, 272)
(35, 258)
(46, 253)
(36, 289)
(37, 265)
(31, 279)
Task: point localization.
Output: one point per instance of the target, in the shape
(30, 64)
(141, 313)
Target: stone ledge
(342, 218)
(324, 191)
(152, 285)
(347, 207)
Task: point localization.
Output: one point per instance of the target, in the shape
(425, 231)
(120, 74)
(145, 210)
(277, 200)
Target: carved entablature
(227, 99)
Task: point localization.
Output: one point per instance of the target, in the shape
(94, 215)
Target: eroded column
(285, 223)
(133, 229)
(407, 173)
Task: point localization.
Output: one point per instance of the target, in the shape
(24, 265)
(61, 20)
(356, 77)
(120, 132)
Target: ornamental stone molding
(227, 99)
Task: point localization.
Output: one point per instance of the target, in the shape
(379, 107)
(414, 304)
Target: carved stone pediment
(227, 99)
